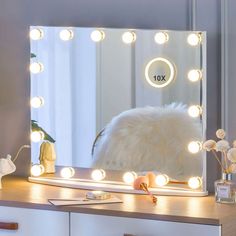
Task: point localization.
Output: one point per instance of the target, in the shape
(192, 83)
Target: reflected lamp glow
(37, 170)
(37, 102)
(66, 34)
(67, 172)
(195, 182)
(194, 147)
(195, 111)
(98, 174)
(128, 37)
(36, 67)
(36, 34)
(97, 35)
(37, 136)
(194, 39)
(162, 180)
(129, 177)
(161, 37)
(194, 75)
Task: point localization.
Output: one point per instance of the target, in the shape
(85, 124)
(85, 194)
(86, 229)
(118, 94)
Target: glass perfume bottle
(225, 189)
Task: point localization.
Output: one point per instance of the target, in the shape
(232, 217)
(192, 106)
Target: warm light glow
(129, 177)
(161, 37)
(66, 34)
(97, 35)
(194, 75)
(128, 37)
(36, 102)
(36, 67)
(98, 174)
(37, 136)
(162, 180)
(194, 39)
(194, 147)
(67, 172)
(194, 111)
(194, 182)
(36, 34)
(37, 170)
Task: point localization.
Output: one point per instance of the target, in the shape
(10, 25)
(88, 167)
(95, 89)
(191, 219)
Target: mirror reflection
(120, 99)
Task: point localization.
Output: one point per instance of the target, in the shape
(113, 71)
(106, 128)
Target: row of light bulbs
(128, 177)
(128, 37)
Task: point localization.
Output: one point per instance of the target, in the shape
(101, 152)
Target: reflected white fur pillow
(151, 139)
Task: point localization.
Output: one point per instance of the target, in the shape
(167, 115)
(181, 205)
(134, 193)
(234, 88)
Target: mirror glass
(148, 84)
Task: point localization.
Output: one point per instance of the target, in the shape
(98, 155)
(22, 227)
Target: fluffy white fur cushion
(151, 139)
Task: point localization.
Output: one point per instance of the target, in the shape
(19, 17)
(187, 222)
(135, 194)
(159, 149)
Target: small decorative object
(142, 183)
(7, 165)
(224, 188)
(47, 157)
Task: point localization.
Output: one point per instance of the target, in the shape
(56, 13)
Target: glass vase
(225, 189)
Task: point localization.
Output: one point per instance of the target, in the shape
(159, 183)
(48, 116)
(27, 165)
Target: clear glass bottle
(225, 189)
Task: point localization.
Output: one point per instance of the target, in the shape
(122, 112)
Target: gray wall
(17, 15)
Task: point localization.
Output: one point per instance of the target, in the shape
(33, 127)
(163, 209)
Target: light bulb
(194, 111)
(67, 172)
(194, 75)
(66, 34)
(37, 136)
(194, 39)
(97, 35)
(194, 147)
(128, 37)
(37, 102)
(37, 170)
(162, 180)
(161, 37)
(194, 182)
(129, 177)
(36, 67)
(36, 34)
(98, 174)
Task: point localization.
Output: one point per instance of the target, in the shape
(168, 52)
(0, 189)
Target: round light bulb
(36, 34)
(194, 147)
(37, 170)
(194, 182)
(194, 39)
(36, 67)
(161, 37)
(66, 34)
(98, 174)
(128, 37)
(194, 111)
(162, 180)
(37, 102)
(129, 177)
(37, 136)
(97, 35)
(194, 75)
(67, 172)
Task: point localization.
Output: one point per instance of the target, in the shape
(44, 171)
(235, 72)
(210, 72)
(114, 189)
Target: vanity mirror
(126, 100)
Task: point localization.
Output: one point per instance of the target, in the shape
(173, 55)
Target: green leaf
(32, 55)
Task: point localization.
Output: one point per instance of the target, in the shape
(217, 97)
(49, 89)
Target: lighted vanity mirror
(121, 99)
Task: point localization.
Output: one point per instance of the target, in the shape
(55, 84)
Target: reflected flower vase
(225, 189)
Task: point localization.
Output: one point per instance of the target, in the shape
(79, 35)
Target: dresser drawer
(34, 222)
(95, 225)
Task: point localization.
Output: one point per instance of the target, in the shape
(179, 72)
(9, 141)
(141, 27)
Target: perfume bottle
(225, 189)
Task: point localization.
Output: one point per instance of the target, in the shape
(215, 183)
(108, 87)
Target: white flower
(232, 154)
(232, 168)
(209, 145)
(222, 146)
(234, 143)
(220, 133)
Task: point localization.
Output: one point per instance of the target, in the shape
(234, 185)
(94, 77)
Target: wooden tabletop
(18, 192)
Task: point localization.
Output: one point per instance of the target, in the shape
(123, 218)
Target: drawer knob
(129, 235)
(9, 226)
